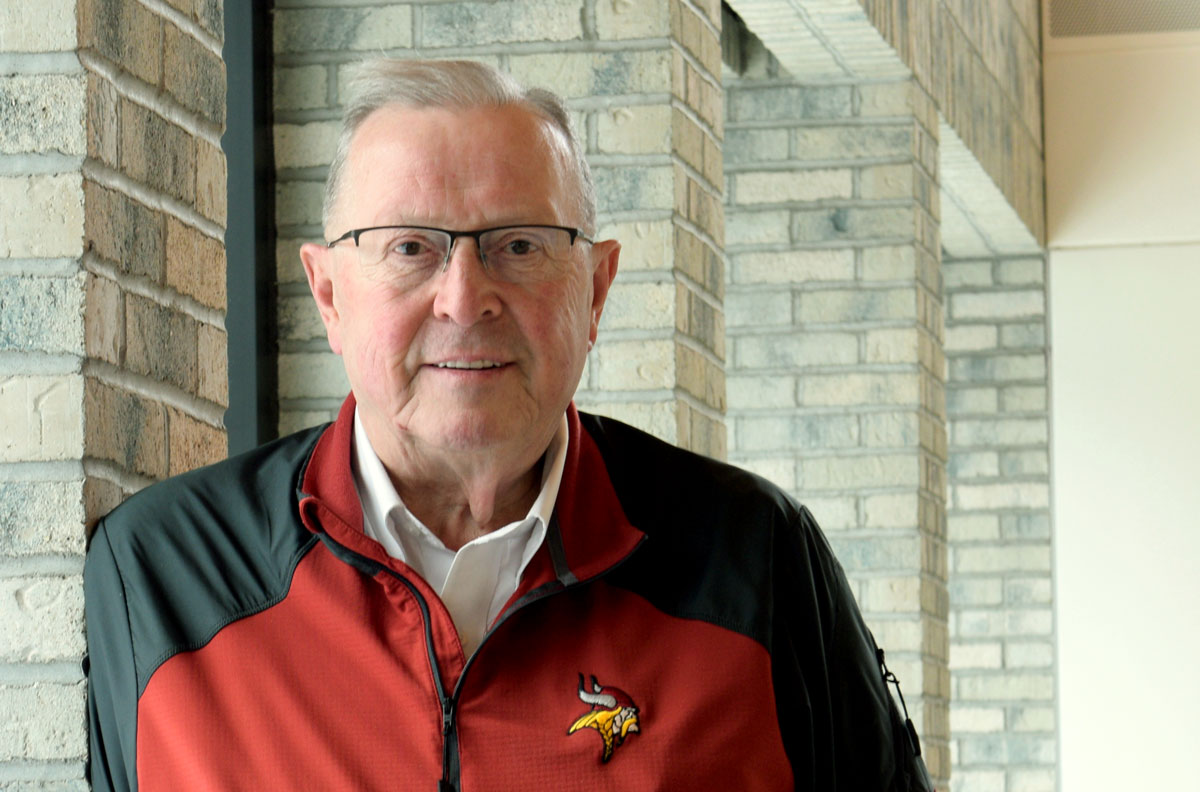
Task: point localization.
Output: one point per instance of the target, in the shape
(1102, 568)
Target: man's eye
(519, 247)
(410, 248)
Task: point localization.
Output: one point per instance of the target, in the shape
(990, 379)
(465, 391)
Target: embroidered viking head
(613, 715)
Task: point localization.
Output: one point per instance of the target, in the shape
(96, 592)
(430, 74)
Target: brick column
(834, 318)
(112, 348)
(643, 81)
(1002, 614)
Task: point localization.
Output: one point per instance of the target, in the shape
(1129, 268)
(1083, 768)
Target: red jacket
(683, 627)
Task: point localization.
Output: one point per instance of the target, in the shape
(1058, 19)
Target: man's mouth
(469, 364)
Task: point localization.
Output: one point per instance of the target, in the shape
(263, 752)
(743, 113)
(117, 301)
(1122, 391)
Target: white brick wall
(833, 315)
(42, 294)
(1002, 627)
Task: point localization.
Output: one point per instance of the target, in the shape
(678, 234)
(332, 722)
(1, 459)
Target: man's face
(404, 345)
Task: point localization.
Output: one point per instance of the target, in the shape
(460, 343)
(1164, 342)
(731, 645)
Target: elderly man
(463, 583)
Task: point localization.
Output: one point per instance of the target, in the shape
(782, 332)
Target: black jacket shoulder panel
(714, 531)
(200, 550)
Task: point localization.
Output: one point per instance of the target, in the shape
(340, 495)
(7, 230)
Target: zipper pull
(447, 726)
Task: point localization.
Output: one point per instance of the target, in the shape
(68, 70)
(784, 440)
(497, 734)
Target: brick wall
(981, 61)
(643, 84)
(1002, 643)
(835, 376)
(42, 297)
(112, 352)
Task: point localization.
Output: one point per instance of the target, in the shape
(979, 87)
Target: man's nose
(466, 291)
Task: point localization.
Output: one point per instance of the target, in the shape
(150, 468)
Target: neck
(462, 494)
(466, 507)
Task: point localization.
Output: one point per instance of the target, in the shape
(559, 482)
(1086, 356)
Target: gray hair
(459, 85)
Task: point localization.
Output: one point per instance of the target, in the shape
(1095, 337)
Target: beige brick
(44, 722)
(644, 244)
(700, 377)
(853, 389)
(859, 305)
(41, 619)
(892, 345)
(580, 74)
(41, 416)
(124, 232)
(895, 510)
(657, 418)
(343, 29)
(886, 99)
(125, 428)
(160, 343)
(463, 23)
(312, 375)
(1019, 558)
(287, 261)
(299, 319)
(213, 364)
(639, 306)
(299, 202)
(1007, 687)
(1002, 496)
(971, 338)
(127, 33)
(634, 129)
(305, 145)
(195, 264)
(193, 443)
(193, 75)
(883, 182)
(104, 320)
(47, 26)
(889, 263)
(41, 518)
(211, 182)
(43, 113)
(157, 153)
(629, 19)
(635, 365)
(794, 266)
(859, 471)
(998, 305)
(792, 186)
(301, 87)
(891, 595)
(697, 318)
(756, 228)
(687, 140)
(41, 216)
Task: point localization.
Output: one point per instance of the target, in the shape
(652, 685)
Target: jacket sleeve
(836, 714)
(112, 679)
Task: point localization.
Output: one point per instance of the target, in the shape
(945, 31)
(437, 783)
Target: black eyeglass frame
(355, 233)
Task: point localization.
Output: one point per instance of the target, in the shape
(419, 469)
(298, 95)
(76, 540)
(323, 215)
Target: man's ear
(605, 254)
(318, 267)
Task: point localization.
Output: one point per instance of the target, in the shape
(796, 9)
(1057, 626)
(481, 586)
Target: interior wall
(1123, 197)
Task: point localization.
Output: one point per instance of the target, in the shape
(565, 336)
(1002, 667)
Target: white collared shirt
(475, 582)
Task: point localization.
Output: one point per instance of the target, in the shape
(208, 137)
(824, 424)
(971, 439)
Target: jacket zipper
(450, 768)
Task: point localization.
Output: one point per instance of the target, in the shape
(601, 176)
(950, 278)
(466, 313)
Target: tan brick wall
(112, 343)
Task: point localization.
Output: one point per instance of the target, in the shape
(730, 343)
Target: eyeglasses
(517, 254)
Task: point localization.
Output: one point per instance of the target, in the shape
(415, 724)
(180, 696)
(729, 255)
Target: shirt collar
(380, 501)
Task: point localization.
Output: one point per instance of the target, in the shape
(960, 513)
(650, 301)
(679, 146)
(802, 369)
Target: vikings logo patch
(613, 715)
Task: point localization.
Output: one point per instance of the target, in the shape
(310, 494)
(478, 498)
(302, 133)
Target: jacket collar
(589, 533)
